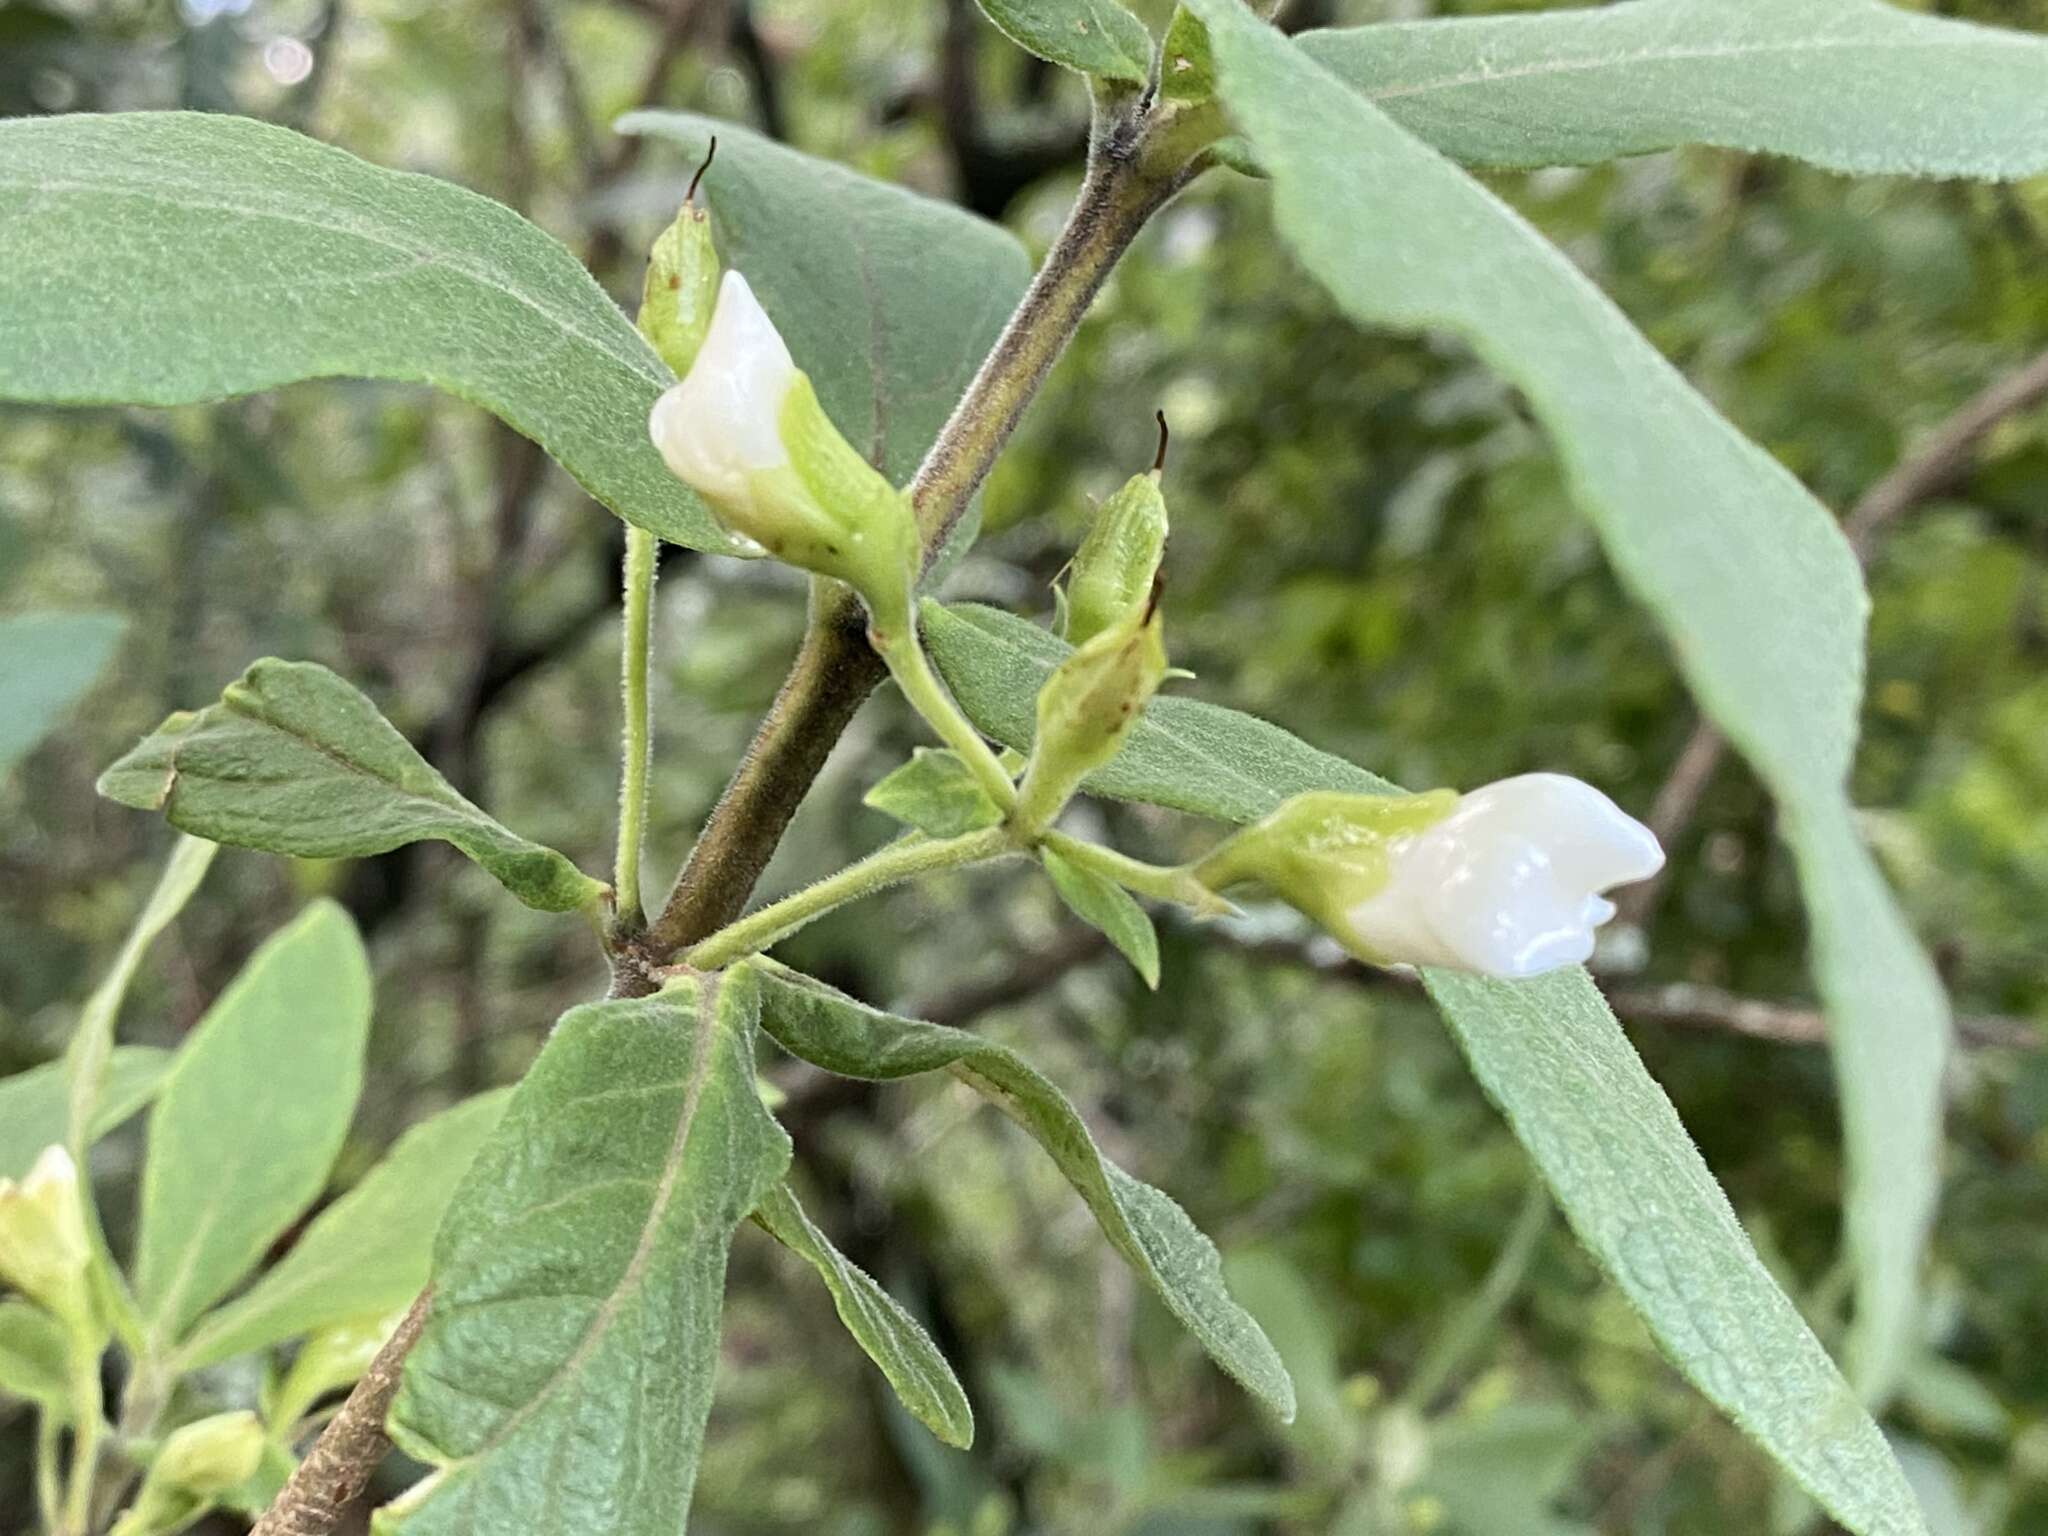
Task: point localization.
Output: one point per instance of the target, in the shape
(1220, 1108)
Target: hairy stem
(904, 655)
(1172, 883)
(900, 861)
(636, 633)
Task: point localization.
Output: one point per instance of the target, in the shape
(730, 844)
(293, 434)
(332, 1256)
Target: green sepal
(936, 793)
(1087, 707)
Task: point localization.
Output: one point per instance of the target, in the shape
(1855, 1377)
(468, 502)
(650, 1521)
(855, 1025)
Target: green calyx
(1323, 853)
(1086, 708)
(1114, 569)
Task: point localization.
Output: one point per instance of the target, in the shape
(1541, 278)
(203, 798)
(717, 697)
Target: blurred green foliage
(1371, 546)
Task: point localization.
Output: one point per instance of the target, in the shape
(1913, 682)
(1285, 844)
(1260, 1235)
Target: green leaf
(89, 1057)
(248, 1122)
(34, 1357)
(891, 1337)
(937, 794)
(1502, 1471)
(46, 661)
(888, 300)
(1852, 85)
(160, 258)
(1187, 70)
(564, 1374)
(295, 760)
(1549, 1052)
(1746, 572)
(34, 1108)
(1183, 753)
(1102, 903)
(1093, 37)
(833, 1031)
(366, 1254)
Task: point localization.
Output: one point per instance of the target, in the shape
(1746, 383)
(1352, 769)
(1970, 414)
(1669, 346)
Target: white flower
(44, 1248)
(1510, 883)
(723, 422)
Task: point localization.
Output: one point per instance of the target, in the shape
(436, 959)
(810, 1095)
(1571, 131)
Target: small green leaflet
(46, 661)
(161, 258)
(33, 1108)
(34, 1358)
(1092, 37)
(888, 300)
(1102, 903)
(890, 1336)
(1746, 573)
(295, 760)
(367, 1254)
(565, 1371)
(833, 1031)
(1551, 1055)
(248, 1122)
(1852, 85)
(937, 794)
(1187, 72)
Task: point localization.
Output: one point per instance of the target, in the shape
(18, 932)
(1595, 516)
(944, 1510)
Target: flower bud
(1088, 706)
(1506, 881)
(44, 1248)
(1115, 566)
(192, 1469)
(744, 429)
(681, 289)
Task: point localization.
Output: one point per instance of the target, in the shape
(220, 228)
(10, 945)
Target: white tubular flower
(1511, 883)
(1506, 881)
(745, 431)
(723, 422)
(44, 1248)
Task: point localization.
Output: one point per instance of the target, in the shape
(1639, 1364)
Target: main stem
(635, 643)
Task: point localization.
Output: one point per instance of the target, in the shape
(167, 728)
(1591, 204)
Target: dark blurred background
(1372, 546)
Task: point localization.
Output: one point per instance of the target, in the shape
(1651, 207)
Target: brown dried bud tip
(709, 155)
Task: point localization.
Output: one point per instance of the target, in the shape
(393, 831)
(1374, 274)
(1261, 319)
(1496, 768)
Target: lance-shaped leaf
(888, 300)
(1853, 85)
(158, 258)
(365, 1255)
(46, 661)
(1092, 37)
(295, 760)
(248, 1122)
(564, 1374)
(1551, 1055)
(890, 1336)
(1106, 906)
(1746, 573)
(831, 1030)
(34, 1110)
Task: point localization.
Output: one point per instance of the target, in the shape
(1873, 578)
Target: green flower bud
(1113, 570)
(744, 429)
(194, 1467)
(45, 1251)
(682, 282)
(1088, 706)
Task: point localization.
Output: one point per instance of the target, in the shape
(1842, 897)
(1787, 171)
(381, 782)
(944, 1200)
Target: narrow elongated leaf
(1103, 904)
(88, 1058)
(34, 1107)
(158, 258)
(887, 299)
(1551, 1055)
(34, 1357)
(1746, 572)
(365, 1255)
(890, 1336)
(46, 661)
(1094, 37)
(833, 1031)
(564, 1374)
(295, 760)
(1853, 85)
(250, 1118)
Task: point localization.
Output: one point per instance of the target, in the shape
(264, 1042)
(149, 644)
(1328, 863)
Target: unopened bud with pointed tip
(681, 289)
(1088, 706)
(744, 429)
(45, 1251)
(1505, 881)
(195, 1467)
(1117, 563)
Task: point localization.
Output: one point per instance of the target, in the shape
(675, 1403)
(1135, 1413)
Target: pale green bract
(565, 1370)
(247, 1123)
(295, 760)
(1859, 86)
(1550, 1053)
(831, 1030)
(160, 258)
(923, 1381)
(1092, 37)
(1747, 574)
